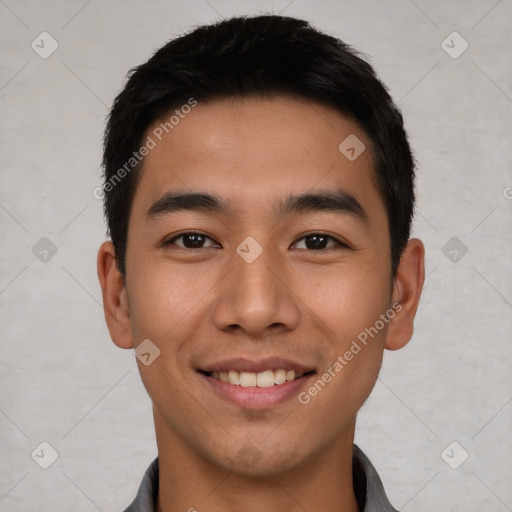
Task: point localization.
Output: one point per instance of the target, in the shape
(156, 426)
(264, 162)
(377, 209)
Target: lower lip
(254, 397)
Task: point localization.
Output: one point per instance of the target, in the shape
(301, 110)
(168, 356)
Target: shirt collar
(368, 487)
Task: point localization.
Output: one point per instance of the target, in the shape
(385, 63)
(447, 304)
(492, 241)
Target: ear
(115, 303)
(407, 289)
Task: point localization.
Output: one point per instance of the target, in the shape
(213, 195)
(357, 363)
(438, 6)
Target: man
(259, 195)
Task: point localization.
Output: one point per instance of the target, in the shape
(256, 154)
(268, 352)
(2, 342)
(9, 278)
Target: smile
(264, 379)
(256, 391)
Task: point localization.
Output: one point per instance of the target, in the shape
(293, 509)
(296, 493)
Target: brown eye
(191, 241)
(318, 241)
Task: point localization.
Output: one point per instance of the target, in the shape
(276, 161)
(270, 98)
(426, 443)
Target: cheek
(165, 299)
(347, 300)
(350, 304)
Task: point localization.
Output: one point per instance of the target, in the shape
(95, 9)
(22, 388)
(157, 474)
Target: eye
(318, 241)
(191, 240)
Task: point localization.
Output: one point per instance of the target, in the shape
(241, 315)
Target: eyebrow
(338, 201)
(179, 201)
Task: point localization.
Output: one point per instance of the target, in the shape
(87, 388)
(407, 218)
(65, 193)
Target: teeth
(234, 378)
(280, 376)
(247, 379)
(264, 379)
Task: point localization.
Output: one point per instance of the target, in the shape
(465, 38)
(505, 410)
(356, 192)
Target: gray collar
(367, 485)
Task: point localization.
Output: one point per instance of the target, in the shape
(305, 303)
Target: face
(281, 264)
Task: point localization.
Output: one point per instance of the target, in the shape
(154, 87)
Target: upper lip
(241, 364)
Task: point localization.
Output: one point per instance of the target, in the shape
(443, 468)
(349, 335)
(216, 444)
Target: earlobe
(407, 292)
(115, 303)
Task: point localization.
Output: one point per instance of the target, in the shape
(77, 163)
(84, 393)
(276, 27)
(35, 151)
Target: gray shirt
(368, 487)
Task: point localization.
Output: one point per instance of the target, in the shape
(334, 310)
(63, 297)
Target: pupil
(315, 242)
(193, 241)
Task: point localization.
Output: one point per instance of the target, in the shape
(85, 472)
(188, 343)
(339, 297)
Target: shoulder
(368, 485)
(146, 495)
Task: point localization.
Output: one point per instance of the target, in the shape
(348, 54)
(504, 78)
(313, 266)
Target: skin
(204, 304)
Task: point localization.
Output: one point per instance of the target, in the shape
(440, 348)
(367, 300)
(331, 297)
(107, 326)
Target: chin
(251, 461)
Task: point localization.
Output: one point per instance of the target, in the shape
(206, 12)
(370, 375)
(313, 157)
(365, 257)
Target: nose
(255, 298)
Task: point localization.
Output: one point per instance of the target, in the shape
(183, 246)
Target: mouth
(264, 379)
(252, 383)
(256, 386)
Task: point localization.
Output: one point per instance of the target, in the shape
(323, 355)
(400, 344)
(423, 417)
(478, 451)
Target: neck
(188, 482)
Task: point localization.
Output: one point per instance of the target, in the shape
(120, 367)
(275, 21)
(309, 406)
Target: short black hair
(265, 55)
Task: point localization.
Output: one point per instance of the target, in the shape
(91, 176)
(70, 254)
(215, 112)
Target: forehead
(251, 150)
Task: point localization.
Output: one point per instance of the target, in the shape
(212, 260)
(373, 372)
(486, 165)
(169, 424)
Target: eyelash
(339, 243)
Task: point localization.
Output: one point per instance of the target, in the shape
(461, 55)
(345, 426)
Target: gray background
(62, 379)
